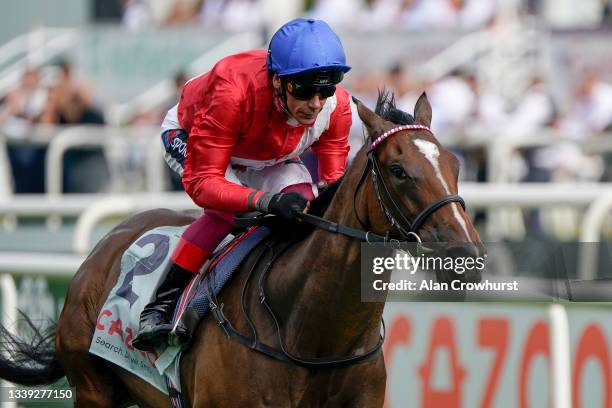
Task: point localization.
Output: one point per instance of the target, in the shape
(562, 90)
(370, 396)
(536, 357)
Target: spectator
(534, 111)
(21, 109)
(338, 14)
(591, 114)
(592, 109)
(453, 102)
(242, 15)
(606, 19)
(183, 11)
(73, 100)
(23, 106)
(475, 14)
(429, 14)
(136, 15)
(211, 13)
(378, 15)
(489, 112)
(403, 85)
(397, 80)
(70, 102)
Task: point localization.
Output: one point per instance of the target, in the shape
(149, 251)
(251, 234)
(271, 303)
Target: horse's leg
(366, 383)
(93, 382)
(99, 384)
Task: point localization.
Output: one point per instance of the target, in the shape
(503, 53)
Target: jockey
(236, 136)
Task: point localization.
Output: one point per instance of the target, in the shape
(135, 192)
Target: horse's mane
(386, 109)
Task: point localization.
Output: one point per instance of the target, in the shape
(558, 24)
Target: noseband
(408, 230)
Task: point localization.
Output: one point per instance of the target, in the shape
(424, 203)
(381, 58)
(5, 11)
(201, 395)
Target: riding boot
(156, 318)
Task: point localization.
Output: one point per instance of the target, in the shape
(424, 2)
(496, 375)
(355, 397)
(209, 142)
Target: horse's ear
(422, 111)
(371, 120)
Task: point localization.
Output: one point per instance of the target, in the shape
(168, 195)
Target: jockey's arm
(332, 148)
(210, 147)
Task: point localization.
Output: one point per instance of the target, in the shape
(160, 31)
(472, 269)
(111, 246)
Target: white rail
(560, 348)
(116, 143)
(590, 234)
(122, 205)
(478, 195)
(531, 195)
(56, 265)
(70, 138)
(120, 140)
(6, 182)
(93, 207)
(41, 205)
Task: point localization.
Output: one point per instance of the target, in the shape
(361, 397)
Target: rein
(406, 229)
(283, 354)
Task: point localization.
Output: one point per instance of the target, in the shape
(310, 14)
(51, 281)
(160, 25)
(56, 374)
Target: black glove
(284, 204)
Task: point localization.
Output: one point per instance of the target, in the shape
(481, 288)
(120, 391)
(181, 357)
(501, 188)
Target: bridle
(408, 230)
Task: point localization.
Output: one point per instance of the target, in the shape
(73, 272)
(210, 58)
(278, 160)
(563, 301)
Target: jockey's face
(304, 111)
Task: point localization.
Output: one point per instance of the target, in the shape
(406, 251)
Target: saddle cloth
(143, 267)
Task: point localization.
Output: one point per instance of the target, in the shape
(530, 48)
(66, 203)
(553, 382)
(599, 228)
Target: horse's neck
(327, 314)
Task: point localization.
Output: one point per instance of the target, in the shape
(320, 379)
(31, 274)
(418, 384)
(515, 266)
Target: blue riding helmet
(305, 45)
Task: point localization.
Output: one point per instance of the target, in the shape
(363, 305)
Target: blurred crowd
(408, 15)
(46, 98)
(369, 15)
(462, 108)
(58, 99)
(557, 142)
(466, 112)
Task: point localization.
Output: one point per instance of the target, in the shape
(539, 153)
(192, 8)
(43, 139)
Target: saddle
(250, 230)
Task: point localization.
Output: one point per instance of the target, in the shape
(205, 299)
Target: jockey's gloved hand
(284, 204)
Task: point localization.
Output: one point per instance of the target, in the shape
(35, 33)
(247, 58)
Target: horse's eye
(398, 171)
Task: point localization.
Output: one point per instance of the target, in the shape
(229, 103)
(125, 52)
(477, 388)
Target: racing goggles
(305, 86)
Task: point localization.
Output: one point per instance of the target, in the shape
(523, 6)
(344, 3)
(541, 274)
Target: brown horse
(314, 287)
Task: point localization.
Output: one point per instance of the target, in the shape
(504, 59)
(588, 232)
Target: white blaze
(431, 153)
